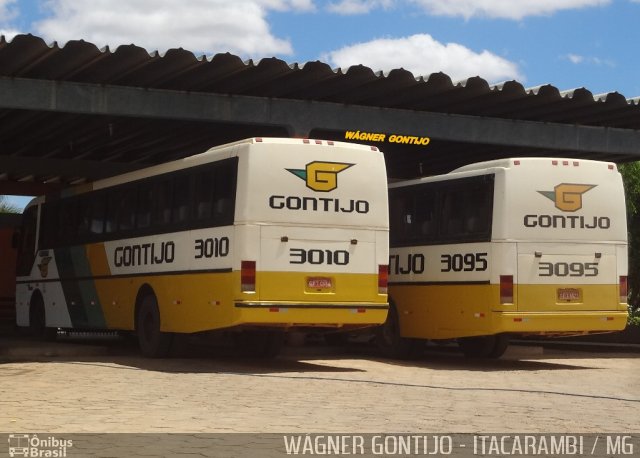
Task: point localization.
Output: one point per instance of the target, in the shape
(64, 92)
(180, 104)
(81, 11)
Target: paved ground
(317, 389)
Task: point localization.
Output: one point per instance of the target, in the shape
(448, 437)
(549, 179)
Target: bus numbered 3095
(255, 237)
(528, 246)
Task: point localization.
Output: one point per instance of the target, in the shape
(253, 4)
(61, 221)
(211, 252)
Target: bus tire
(38, 320)
(152, 341)
(500, 346)
(492, 346)
(391, 343)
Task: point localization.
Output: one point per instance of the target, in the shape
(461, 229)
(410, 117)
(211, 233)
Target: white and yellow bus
(513, 246)
(255, 236)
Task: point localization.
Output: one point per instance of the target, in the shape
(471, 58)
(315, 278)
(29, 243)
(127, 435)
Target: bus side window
(452, 213)
(126, 210)
(477, 211)
(477, 208)
(181, 198)
(98, 207)
(205, 183)
(145, 205)
(425, 216)
(110, 217)
(83, 215)
(225, 179)
(467, 210)
(161, 214)
(400, 216)
(66, 221)
(120, 210)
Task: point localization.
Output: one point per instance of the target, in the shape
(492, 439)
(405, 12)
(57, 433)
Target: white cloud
(9, 34)
(7, 13)
(208, 26)
(574, 58)
(422, 55)
(349, 7)
(504, 9)
(578, 59)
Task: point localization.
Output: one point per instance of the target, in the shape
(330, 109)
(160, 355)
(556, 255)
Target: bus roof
(198, 159)
(523, 161)
(504, 164)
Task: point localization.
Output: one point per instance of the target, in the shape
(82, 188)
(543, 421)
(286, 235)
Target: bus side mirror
(15, 240)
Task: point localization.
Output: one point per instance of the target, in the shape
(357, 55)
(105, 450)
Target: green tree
(631, 177)
(6, 207)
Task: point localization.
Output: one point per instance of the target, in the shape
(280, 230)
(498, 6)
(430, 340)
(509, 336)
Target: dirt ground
(320, 390)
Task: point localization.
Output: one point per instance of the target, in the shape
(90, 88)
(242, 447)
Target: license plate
(569, 294)
(319, 283)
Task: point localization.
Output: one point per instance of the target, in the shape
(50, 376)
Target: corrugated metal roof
(27, 133)
(28, 56)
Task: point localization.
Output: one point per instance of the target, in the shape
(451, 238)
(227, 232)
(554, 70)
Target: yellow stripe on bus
(97, 258)
(450, 311)
(292, 286)
(202, 301)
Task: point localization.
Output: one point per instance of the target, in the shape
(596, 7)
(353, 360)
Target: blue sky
(566, 43)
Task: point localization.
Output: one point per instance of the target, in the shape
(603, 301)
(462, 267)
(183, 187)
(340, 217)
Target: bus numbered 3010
(533, 246)
(257, 236)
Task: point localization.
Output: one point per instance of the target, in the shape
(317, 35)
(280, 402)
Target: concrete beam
(65, 168)
(302, 116)
(27, 188)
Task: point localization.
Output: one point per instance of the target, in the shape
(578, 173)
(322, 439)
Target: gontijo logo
(568, 196)
(321, 176)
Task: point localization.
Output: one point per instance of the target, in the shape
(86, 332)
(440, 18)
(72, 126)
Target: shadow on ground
(196, 356)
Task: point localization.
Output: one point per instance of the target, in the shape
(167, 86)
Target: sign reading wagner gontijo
(362, 136)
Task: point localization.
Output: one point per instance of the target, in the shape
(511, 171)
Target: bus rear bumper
(291, 314)
(569, 323)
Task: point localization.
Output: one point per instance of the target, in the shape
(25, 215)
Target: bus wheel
(492, 346)
(259, 343)
(38, 322)
(391, 343)
(153, 342)
(502, 342)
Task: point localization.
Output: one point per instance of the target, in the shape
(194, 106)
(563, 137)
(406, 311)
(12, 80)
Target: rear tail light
(383, 278)
(506, 289)
(624, 289)
(248, 276)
